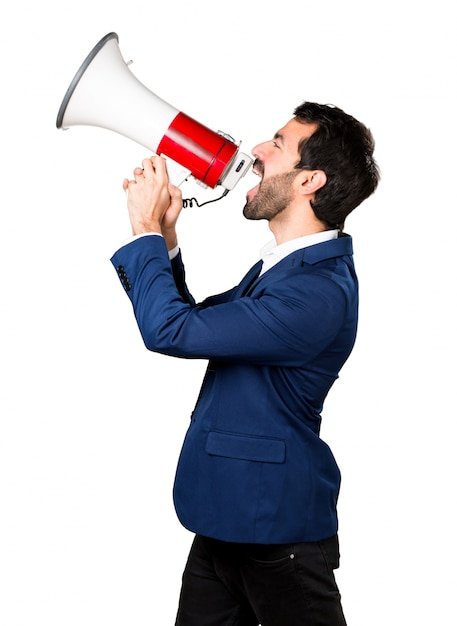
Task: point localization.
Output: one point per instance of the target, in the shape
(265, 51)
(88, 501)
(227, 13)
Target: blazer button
(123, 277)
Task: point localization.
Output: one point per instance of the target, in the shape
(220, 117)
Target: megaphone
(105, 93)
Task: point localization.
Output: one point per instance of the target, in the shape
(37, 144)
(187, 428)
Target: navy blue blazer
(253, 467)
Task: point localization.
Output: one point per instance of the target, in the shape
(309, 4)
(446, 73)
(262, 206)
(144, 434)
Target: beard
(272, 197)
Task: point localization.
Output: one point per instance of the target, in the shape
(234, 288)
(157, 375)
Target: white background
(92, 424)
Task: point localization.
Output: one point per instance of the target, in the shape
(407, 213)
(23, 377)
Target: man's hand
(154, 204)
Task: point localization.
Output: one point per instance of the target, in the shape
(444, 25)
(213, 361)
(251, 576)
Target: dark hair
(343, 148)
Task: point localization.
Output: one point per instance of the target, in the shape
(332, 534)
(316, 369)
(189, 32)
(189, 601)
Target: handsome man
(254, 480)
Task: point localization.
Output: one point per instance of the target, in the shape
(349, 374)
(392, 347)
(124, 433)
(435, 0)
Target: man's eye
(275, 144)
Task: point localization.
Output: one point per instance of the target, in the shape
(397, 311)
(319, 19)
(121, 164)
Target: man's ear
(310, 181)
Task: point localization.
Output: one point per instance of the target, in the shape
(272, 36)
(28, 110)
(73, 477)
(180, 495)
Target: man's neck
(289, 231)
(294, 222)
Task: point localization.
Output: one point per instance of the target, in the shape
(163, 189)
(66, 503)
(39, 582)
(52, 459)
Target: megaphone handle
(177, 174)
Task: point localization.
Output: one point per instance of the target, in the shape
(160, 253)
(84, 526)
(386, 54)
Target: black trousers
(232, 584)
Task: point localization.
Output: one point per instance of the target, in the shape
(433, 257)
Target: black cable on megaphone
(105, 93)
(189, 202)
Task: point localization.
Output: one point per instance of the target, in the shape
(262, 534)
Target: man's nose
(258, 150)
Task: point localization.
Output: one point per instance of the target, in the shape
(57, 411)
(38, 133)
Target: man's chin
(251, 210)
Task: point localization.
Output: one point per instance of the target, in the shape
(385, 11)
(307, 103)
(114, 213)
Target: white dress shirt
(272, 253)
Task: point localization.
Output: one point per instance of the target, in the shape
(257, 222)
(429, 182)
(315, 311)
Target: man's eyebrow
(280, 137)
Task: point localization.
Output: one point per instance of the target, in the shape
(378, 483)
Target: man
(254, 480)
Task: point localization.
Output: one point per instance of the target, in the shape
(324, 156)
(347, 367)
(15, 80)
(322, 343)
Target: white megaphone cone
(105, 93)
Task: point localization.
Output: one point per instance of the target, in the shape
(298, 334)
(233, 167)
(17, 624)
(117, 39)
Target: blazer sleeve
(287, 324)
(177, 267)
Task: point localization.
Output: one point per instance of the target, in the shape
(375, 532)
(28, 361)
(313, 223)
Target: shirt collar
(272, 253)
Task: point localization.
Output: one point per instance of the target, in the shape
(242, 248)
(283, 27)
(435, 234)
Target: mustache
(258, 166)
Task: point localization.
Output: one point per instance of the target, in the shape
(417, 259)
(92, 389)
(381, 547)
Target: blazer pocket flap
(246, 447)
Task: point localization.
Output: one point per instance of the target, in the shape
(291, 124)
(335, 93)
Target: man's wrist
(171, 238)
(142, 229)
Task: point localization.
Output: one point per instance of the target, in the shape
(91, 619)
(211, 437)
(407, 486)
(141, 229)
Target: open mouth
(258, 167)
(257, 170)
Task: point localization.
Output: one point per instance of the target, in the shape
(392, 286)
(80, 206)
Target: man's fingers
(148, 169)
(138, 174)
(155, 166)
(175, 192)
